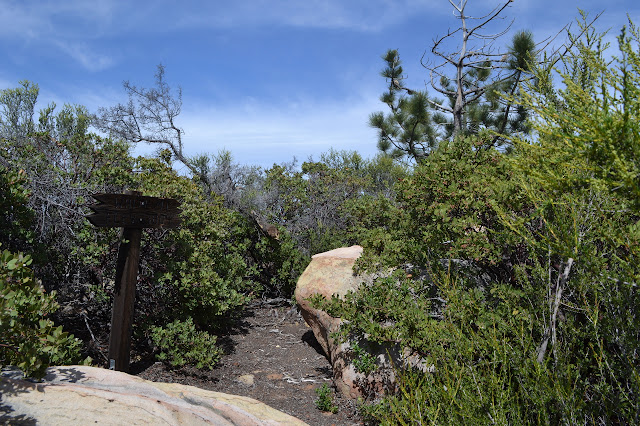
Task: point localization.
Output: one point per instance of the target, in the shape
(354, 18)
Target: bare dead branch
(551, 331)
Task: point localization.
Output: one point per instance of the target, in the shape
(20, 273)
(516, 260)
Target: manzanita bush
(28, 338)
(517, 270)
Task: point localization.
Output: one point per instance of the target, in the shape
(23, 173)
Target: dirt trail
(272, 356)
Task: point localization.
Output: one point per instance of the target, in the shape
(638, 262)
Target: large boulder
(328, 274)
(331, 273)
(83, 395)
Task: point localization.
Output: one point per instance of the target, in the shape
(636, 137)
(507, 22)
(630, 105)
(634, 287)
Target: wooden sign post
(132, 212)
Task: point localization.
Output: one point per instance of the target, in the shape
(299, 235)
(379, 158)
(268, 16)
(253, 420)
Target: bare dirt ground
(270, 355)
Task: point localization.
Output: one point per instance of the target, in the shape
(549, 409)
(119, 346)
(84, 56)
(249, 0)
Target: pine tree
(472, 81)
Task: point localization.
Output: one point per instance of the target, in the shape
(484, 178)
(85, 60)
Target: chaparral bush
(517, 270)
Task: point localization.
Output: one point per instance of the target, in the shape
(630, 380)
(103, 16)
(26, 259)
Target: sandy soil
(272, 356)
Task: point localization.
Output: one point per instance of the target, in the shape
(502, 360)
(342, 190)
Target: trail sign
(132, 212)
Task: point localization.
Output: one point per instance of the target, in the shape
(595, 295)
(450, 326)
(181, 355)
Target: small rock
(246, 379)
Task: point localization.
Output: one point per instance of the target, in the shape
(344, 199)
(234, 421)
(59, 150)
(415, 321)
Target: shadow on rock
(13, 383)
(310, 339)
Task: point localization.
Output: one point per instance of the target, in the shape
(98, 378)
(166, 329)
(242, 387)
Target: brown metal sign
(134, 211)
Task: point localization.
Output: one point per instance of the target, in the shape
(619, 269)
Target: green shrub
(16, 219)
(549, 333)
(279, 262)
(180, 343)
(445, 209)
(363, 361)
(476, 344)
(197, 270)
(325, 401)
(29, 340)
(319, 205)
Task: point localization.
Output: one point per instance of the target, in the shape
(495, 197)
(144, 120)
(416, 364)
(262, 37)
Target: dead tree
(150, 116)
(473, 63)
(478, 80)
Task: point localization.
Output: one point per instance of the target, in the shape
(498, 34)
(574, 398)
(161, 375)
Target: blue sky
(266, 79)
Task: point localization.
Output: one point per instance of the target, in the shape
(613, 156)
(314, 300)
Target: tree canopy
(469, 83)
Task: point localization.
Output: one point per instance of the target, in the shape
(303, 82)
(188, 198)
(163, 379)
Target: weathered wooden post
(132, 212)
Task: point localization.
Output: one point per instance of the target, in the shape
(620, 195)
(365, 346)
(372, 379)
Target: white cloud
(42, 19)
(85, 55)
(357, 15)
(257, 132)
(72, 27)
(58, 26)
(367, 15)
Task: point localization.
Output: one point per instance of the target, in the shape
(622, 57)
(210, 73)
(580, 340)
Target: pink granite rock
(328, 274)
(88, 395)
(331, 273)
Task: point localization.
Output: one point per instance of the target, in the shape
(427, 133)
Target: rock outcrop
(331, 273)
(328, 274)
(83, 395)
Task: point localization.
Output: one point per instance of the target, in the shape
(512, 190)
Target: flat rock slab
(352, 252)
(82, 395)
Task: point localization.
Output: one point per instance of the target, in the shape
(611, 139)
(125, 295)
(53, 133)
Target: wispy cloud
(17, 21)
(259, 132)
(76, 28)
(46, 18)
(40, 19)
(355, 15)
(86, 56)
(59, 26)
